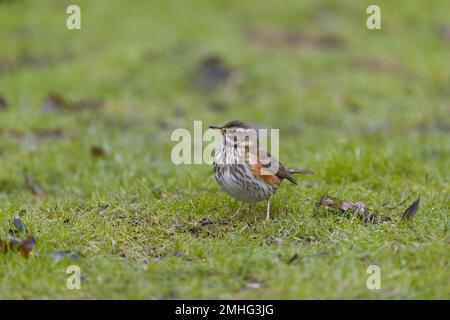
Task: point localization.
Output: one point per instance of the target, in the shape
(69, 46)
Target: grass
(367, 110)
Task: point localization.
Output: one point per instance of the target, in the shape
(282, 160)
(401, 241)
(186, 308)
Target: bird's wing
(263, 165)
(269, 167)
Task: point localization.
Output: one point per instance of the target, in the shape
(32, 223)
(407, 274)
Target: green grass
(370, 114)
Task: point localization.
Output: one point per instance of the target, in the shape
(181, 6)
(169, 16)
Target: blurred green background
(85, 123)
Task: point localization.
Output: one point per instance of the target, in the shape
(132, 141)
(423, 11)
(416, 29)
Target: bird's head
(236, 132)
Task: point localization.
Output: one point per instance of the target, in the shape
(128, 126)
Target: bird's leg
(238, 211)
(268, 210)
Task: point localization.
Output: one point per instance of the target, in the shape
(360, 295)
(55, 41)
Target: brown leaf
(3, 103)
(218, 107)
(33, 186)
(336, 203)
(24, 247)
(357, 209)
(272, 39)
(205, 222)
(55, 102)
(445, 32)
(157, 193)
(411, 210)
(98, 151)
(211, 74)
(7, 65)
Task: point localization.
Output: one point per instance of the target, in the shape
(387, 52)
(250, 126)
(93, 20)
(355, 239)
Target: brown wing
(266, 167)
(270, 166)
(260, 165)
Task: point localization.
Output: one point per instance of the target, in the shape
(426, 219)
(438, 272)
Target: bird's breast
(240, 180)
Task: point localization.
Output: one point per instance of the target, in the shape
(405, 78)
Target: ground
(86, 118)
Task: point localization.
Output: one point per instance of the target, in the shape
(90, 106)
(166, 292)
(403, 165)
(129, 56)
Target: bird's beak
(215, 127)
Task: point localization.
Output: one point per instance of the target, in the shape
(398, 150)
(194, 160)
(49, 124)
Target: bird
(244, 169)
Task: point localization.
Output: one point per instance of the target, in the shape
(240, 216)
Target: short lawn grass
(367, 110)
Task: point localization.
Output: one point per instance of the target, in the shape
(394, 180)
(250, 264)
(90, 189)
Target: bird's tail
(294, 171)
(291, 171)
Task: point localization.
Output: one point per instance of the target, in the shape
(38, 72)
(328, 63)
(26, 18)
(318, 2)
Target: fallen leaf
(55, 102)
(33, 185)
(59, 255)
(19, 224)
(3, 103)
(357, 209)
(411, 210)
(98, 152)
(7, 65)
(218, 107)
(272, 39)
(157, 193)
(211, 74)
(24, 247)
(399, 204)
(205, 222)
(445, 32)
